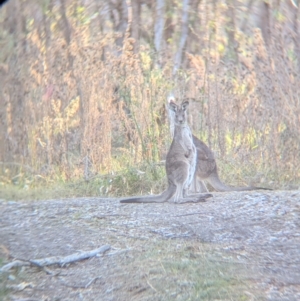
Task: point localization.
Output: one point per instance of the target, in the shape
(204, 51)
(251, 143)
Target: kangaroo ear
(172, 106)
(185, 105)
(171, 98)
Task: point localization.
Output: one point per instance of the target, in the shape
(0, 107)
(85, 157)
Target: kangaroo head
(178, 112)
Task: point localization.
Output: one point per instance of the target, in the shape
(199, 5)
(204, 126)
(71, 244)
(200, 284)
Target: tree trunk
(121, 26)
(183, 38)
(136, 20)
(230, 29)
(159, 28)
(264, 22)
(296, 36)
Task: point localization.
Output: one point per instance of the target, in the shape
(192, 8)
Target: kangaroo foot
(194, 199)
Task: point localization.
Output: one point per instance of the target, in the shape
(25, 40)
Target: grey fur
(180, 163)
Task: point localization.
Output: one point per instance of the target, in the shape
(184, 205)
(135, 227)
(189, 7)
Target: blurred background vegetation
(84, 86)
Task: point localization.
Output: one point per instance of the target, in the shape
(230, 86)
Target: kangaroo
(206, 166)
(180, 163)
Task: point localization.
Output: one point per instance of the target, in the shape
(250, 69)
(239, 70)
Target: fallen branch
(55, 259)
(16, 263)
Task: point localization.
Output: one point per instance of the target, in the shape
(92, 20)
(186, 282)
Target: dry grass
(92, 107)
(180, 270)
(163, 270)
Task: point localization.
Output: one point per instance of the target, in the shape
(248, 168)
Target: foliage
(84, 95)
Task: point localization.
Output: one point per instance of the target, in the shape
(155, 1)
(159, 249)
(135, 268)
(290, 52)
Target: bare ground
(235, 246)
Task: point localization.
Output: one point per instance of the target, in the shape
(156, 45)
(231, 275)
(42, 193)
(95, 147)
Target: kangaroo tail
(163, 197)
(218, 185)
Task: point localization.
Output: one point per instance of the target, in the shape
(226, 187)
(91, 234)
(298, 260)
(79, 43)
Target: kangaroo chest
(186, 143)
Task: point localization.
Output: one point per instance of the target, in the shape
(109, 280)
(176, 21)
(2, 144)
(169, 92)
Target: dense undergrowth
(83, 110)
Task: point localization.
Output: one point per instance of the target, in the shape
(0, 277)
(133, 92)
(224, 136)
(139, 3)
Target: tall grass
(88, 110)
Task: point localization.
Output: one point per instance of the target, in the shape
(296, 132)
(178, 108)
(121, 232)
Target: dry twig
(55, 259)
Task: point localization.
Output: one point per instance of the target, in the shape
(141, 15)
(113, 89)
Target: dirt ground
(235, 246)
